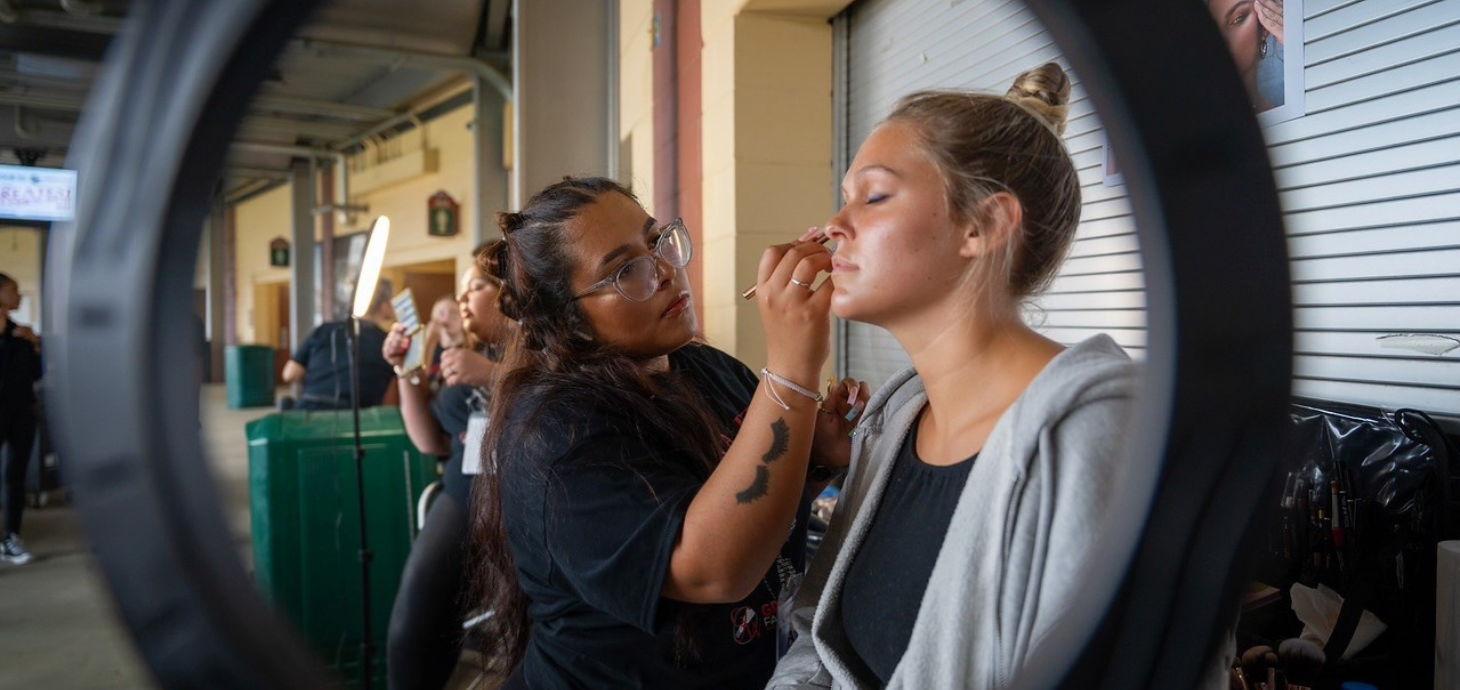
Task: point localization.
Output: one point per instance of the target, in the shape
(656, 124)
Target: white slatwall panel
(899, 46)
(1369, 180)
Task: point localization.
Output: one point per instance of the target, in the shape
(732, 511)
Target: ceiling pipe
(443, 63)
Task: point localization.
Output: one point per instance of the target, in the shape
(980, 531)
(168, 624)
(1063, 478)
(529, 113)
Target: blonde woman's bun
(1045, 92)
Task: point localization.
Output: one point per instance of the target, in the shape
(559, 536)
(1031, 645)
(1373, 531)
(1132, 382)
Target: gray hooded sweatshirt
(1020, 543)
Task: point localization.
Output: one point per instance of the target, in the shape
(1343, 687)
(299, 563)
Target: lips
(840, 266)
(678, 306)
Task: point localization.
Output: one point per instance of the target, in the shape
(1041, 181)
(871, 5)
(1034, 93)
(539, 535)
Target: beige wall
(636, 98)
(405, 202)
(269, 215)
(257, 222)
(767, 148)
(20, 258)
(766, 95)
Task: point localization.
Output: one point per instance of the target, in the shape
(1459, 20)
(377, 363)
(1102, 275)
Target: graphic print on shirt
(748, 625)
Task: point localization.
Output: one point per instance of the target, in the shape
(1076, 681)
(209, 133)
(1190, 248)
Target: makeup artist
(648, 485)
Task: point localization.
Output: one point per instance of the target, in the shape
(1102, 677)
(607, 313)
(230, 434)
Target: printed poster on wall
(1265, 38)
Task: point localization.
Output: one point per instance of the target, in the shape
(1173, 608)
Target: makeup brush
(1301, 662)
(1256, 663)
(750, 291)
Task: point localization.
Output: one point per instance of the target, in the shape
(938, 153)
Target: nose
(839, 228)
(663, 270)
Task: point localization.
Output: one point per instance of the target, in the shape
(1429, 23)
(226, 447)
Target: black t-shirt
(325, 356)
(593, 525)
(887, 578)
(20, 368)
(453, 406)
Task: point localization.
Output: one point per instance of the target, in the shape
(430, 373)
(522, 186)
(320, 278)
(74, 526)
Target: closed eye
(877, 198)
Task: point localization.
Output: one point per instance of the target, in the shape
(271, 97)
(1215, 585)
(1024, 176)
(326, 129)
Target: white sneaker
(13, 550)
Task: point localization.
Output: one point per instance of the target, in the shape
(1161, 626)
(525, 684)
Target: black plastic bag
(1365, 496)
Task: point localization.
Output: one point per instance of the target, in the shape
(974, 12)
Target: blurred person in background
(20, 369)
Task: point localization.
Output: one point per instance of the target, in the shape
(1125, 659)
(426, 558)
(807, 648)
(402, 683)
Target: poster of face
(1265, 38)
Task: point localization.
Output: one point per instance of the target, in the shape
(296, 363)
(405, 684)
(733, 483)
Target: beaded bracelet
(770, 390)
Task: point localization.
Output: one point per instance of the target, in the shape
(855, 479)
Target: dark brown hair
(553, 362)
(983, 144)
(484, 257)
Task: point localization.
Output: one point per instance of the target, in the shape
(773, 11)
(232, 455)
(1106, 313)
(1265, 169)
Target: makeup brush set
(1348, 557)
(1294, 665)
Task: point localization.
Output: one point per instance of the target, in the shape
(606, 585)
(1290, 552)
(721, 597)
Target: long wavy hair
(554, 364)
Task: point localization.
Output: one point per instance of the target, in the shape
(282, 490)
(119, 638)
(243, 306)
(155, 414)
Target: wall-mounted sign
(37, 193)
(279, 252)
(443, 212)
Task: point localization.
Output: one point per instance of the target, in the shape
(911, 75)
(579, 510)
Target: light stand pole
(367, 640)
(365, 287)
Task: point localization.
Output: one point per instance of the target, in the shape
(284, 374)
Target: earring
(1262, 52)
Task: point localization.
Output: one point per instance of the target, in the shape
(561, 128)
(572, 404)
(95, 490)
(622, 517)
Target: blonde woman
(980, 475)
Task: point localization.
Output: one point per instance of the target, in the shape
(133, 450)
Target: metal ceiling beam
(40, 40)
(342, 184)
(65, 102)
(305, 128)
(256, 173)
(44, 81)
(279, 104)
(247, 189)
(332, 109)
(286, 150)
(66, 21)
(494, 24)
(74, 26)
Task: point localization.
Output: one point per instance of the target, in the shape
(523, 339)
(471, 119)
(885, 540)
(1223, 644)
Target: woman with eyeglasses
(424, 640)
(982, 477)
(643, 528)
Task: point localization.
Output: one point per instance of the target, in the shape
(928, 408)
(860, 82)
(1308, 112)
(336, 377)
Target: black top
(593, 525)
(452, 407)
(325, 356)
(20, 368)
(887, 578)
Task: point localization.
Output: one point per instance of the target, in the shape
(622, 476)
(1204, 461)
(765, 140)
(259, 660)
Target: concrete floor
(58, 629)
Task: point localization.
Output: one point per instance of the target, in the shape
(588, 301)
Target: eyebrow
(866, 169)
(1234, 9)
(625, 248)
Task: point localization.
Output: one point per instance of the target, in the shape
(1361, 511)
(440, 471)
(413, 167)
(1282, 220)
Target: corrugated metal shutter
(1369, 177)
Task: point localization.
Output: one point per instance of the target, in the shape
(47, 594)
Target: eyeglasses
(638, 279)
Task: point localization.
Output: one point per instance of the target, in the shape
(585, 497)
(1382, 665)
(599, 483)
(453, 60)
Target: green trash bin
(248, 371)
(306, 531)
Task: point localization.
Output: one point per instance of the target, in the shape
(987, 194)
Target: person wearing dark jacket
(322, 362)
(20, 368)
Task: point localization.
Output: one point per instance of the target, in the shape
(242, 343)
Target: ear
(995, 222)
